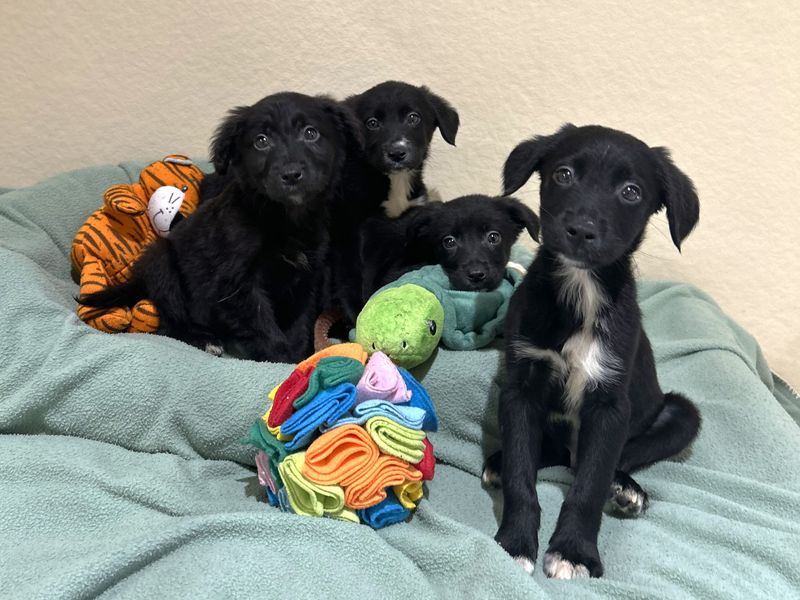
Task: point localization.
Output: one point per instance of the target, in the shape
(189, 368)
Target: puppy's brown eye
(631, 193)
(449, 241)
(372, 123)
(310, 134)
(493, 237)
(563, 176)
(261, 142)
(413, 119)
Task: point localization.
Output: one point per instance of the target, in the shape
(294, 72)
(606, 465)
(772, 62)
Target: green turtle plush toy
(407, 318)
(403, 322)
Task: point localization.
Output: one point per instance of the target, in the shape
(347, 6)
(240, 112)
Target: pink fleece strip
(382, 381)
(264, 476)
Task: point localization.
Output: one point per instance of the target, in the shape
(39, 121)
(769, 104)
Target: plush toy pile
(345, 437)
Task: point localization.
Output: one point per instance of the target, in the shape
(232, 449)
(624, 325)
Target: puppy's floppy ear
(421, 222)
(527, 157)
(346, 123)
(223, 144)
(679, 197)
(521, 215)
(446, 116)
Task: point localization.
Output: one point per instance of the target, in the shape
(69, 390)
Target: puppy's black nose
(476, 276)
(581, 232)
(397, 152)
(292, 174)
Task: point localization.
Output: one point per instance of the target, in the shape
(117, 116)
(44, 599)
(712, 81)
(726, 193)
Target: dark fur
(626, 421)
(366, 179)
(247, 267)
(392, 247)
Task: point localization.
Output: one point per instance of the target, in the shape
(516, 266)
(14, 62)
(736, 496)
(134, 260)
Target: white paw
(526, 564)
(559, 568)
(627, 500)
(214, 349)
(491, 478)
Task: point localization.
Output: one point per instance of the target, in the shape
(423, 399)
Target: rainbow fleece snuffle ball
(345, 438)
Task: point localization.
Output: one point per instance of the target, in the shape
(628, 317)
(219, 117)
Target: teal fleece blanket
(122, 475)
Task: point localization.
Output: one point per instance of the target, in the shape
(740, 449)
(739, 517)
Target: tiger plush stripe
(116, 234)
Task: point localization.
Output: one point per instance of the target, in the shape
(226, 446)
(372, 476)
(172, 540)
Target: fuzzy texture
(138, 486)
(404, 322)
(472, 319)
(471, 237)
(246, 271)
(398, 121)
(506, 67)
(114, 237)
(601, 410)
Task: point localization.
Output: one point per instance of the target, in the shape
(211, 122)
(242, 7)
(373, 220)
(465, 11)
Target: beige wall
(718, 82)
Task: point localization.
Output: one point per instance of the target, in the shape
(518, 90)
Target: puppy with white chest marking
(398, 121)
(581, 386)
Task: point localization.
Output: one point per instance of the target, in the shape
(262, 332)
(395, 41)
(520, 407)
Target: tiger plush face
(169, 183)
(163, 209)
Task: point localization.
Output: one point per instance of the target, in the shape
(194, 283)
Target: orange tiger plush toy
(115, 235)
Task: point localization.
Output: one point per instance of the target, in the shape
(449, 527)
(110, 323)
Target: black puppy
(398, 122)
(246, 268)
(581, 386)
(470, 237)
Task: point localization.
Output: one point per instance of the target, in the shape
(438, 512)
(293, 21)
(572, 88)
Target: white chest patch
(588, 362)
(399, 189)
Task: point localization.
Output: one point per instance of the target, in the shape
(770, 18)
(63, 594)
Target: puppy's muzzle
(476, 275)
(397, 154)
(292, 174)
(581, 232)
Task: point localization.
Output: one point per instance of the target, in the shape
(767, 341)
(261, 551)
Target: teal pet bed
(122, 471)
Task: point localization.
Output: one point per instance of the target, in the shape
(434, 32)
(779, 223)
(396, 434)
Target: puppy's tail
(126, 294)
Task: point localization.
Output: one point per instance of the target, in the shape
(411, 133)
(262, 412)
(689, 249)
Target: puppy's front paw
(627, 498)
(214, 349)
(526, 563)
(521, 546)
(492, 471)
(572, 559)
(558, 567)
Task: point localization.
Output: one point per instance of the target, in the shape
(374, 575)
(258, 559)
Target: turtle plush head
(404, 322)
